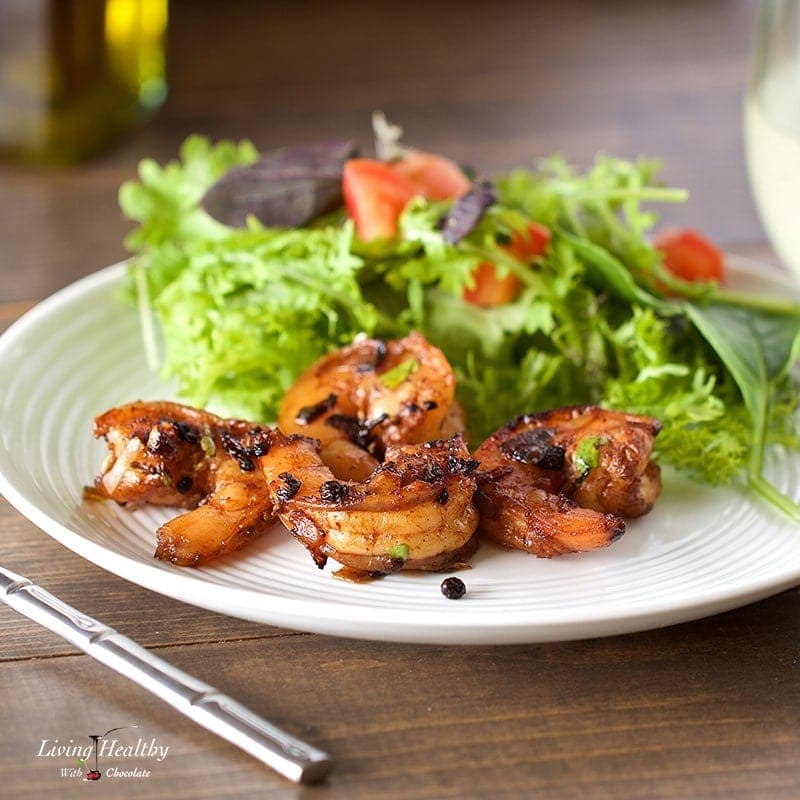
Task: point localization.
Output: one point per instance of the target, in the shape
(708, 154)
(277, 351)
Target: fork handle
(291, 757)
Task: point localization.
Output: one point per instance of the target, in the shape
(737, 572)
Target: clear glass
(772, 126)
(76, 74)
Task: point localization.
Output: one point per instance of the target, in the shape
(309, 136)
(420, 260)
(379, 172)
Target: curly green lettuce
(598, 319)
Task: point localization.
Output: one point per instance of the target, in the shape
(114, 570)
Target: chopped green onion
(392, 378)
(209, 448)
(399, 551)
(587, 453)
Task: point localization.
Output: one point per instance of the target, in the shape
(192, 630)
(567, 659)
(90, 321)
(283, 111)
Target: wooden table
(708, 709)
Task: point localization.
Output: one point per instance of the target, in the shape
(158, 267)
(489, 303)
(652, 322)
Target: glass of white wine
(772, 126)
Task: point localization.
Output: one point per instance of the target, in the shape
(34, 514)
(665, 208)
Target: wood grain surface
(703, 710)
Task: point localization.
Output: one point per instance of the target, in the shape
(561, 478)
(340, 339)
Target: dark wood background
(708, 709)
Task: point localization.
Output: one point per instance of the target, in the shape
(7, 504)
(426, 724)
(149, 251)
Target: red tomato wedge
(689, 255)
(434, 177)
(374, 195)
(376, 192)
(489, 290)
(531, 242)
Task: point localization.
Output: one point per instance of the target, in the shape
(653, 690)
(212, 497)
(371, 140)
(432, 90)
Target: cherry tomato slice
(374, 195)
(690, 256)
(489, 290)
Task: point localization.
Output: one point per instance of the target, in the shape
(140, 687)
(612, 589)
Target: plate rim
(421, 625)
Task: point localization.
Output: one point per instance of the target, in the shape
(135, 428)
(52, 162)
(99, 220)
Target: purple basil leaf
(467, 211)
(284, 189)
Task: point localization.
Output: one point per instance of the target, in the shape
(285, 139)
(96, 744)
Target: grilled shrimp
(155, 454)
(237, 511)
(359, 400)
(623, 481)
(169, 454)
(414, 511)
(559, 481)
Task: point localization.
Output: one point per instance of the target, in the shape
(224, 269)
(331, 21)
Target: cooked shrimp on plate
(560, 481)
(414, 511)
(170, 454)
(358, 400)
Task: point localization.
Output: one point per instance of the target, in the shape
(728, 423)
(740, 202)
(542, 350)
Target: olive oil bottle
(76, 74)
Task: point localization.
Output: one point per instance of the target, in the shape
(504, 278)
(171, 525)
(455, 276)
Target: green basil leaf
(758, 348)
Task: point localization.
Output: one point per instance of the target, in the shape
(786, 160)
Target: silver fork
(291, 757)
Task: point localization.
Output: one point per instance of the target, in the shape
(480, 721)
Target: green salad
(595, 317)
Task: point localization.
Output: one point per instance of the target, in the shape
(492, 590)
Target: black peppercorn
(453, 588)
(333, 491)
(291, 486)
(186, 431)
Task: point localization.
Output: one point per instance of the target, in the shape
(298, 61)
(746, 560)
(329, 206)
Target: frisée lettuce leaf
(598, 319)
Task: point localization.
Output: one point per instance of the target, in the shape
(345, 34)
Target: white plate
(699, 552)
